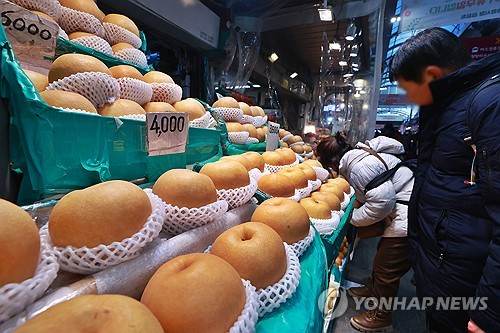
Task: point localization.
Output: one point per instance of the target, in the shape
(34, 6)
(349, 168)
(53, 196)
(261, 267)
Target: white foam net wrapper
(79, 111)
(230, 114)
(238, 196)
(201, 122)
(182, 219)
(259, 121)
(328, 226)
(212, 123)
(252, 140)
(296, 197)
(249, 316)
(286, 137)
(351, 192)
(86, 260)
(257, 174)
(301, 246)
(98, 88)
(166, 92)
(135, 90)
(309, 155)
(94, 42)
(116, 34)
(276, 168)
(321, 173)
(239, 138)
(14, 297)
(314, 184)
(49, 7)
(272, 297)
(301, 143)
(246, 119)
(74, 20)
(63, 34)
(346, 201)
(305, 192)
(135, 56)
(141, 117)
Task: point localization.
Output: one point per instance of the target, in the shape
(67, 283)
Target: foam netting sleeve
(301, 143)
(135, 90)
(257, 174)
(305, 192)
(86, 260)
(301, 246)
(276, 168)
(230, 114)
(182, 219)
(141, 117)
(98, 88)
(326, 227)
(78, 111)
(314, 184)
(309, 155)
(212, 123)
(296, 197)
(249, 316)
(239, 138)
(259, 121)
(272, 297)
(286, 137)
(116, 34)
(252, 140)
(135, 56)
(74, 20)
(166, 92)
(15, 297)
(351, 192)
(345, 203)
(94, 42)
(63, 34)
(321, 173)
(201, 122)
(246, 119)
(50, 7)
(238, 196)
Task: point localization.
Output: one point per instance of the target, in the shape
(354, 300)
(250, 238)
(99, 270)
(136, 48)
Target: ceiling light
(354, 51)
(335, 46)
(294, 75)
(355, 64)
(350, 31)
(348, 75)
(393, 20)
(355, 69)
(273, 57)
(342, 105)
(325, 14)
(357, 94)
(383, 88)
(342, 63)
(256, 86)
(365, 106)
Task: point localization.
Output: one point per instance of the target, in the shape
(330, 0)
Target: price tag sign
(33, 38)
(167, 132)
(272, 136)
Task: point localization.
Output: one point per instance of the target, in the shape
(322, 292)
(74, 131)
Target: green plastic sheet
(301, 313)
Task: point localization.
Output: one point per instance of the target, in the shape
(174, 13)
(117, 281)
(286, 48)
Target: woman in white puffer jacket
(388, 202)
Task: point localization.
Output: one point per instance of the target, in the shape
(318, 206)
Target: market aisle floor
(358, 271)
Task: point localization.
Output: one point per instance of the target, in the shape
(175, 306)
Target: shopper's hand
(473, 328)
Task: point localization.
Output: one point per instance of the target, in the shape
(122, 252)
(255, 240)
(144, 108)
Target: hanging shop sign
(272, 136)
(422, 14)
(167, 132)
(33, 38)
(481, 47)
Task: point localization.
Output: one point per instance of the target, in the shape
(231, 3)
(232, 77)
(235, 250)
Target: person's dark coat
(454, 227)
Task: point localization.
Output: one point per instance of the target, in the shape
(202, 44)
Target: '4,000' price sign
(167, 132)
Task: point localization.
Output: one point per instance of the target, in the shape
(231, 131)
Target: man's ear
(432, 73)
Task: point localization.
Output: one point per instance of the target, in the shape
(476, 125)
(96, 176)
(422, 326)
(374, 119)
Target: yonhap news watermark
(333, 303)
(414, 303)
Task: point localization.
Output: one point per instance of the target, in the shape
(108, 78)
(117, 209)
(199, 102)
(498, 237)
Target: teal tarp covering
(301, 313)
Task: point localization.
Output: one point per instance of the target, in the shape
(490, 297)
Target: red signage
(481, 47)
(393, 99)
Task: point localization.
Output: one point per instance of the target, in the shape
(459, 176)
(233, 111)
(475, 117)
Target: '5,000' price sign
(167, 132)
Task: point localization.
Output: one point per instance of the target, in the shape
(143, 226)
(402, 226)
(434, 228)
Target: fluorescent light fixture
(342, 105)
(342, 63)
(256, 86)
(325, 14)
(356, 69)
(335, 46)
(355, 64)
(383, 88)
(350, 32)
(354, 51)
(273, 57)
(294, 75)
(395, 19)
(357, 94)
(348, 75)
(365, 106)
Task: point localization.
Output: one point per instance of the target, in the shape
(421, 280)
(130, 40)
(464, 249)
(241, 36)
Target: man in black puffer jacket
(454, 213)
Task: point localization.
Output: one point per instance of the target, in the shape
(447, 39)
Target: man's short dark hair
(431, 47)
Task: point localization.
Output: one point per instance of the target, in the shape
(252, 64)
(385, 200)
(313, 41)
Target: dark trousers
(390, 264)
